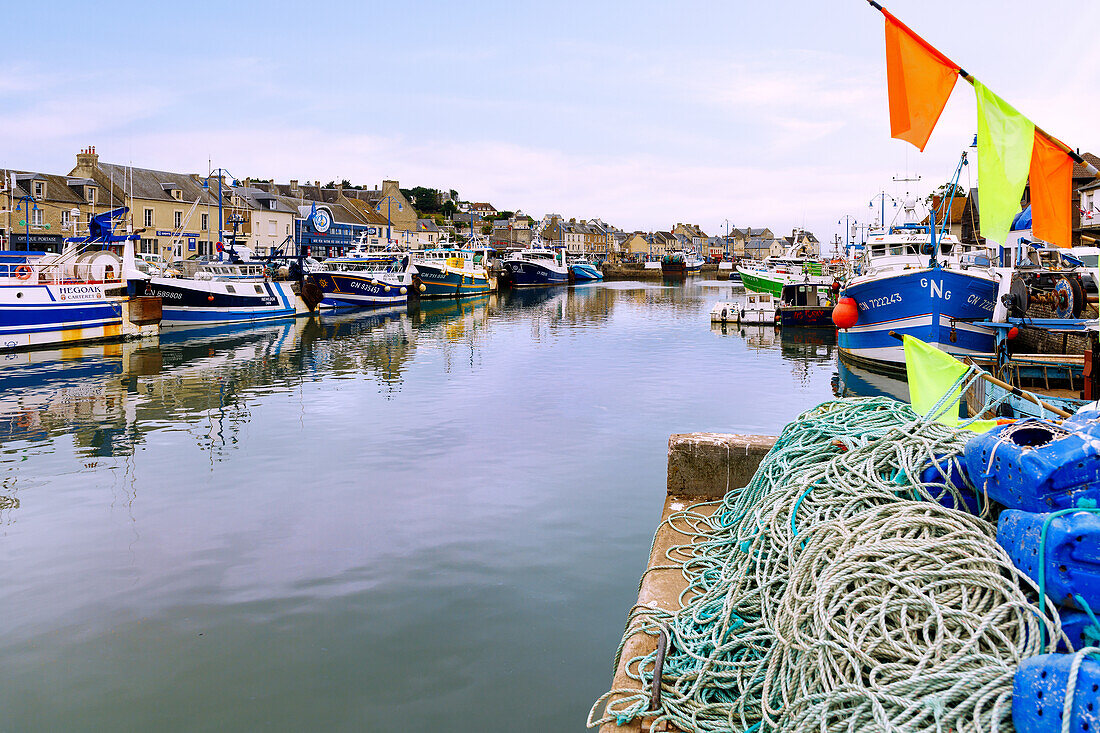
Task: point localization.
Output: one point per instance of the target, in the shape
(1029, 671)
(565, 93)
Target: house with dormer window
(46, 208)
(175, 214)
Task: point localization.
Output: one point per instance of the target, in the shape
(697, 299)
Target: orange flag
(1051, 176)
(920, 80)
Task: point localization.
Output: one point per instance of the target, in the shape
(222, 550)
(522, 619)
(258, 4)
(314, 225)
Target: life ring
(23, 272)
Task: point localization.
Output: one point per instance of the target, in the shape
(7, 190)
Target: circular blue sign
(321, 221)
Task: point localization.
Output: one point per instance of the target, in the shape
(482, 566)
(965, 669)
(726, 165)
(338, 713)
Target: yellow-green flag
(1005, 138)
(931, 373)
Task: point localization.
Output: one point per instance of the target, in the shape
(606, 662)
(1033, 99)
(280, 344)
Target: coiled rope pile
(834, 593)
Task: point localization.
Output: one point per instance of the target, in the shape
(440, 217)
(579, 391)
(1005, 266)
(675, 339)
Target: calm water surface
(432, 520)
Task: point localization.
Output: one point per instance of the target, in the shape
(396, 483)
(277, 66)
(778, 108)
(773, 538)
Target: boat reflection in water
(854, 381)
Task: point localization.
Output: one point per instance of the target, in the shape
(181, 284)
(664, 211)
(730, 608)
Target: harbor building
(266, 219)
(169, 210)
(51, 207)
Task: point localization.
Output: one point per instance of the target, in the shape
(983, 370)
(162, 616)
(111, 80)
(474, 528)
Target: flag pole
(1090, 169)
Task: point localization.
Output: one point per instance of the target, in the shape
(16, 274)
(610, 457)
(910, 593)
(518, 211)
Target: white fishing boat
(84, 294)
(754, 308)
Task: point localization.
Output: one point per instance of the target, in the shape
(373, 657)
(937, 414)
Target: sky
(644, 114)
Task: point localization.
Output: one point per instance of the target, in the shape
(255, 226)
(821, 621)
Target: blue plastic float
(1080, 629)
(1039, 692)
(942, 472)
(1036, 465)
(1066, 560)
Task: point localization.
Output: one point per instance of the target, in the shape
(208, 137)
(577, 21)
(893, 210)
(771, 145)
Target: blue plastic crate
(1039, 691)
(945, 473)
(1036, 465)
(1071, 558)
(1074, 625)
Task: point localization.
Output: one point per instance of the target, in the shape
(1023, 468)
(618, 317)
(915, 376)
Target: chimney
(86, 162)
(317, 185)
(339, 189)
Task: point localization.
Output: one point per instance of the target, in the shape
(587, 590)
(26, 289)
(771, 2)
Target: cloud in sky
(641, 115)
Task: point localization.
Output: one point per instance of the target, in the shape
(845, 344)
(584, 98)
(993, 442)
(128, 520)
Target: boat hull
(679, 269)
(585, 273)
(934, 305)
(35, 316)
(799, 315)
(187, 302)
(524, 273)
(760, 283)
(445, 282)
(348, 290)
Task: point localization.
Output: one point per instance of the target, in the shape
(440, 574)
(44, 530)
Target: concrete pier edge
(702, 467)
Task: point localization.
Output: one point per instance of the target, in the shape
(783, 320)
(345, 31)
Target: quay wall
(701, 467)
(637, 272)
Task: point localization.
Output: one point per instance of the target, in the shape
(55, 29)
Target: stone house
(172, 212)
(427, 234)
(267, 218)
(60, 207)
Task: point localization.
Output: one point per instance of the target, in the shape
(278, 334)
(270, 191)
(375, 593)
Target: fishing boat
(531, 267)
(450, 273)
(584, 270)
(917, 280)
(804, 304)
(792, 267)
(681, 263)
(209, 292)
(363, 283)
(82, 295)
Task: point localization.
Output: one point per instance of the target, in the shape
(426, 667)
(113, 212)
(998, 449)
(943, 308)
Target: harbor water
(430, 520)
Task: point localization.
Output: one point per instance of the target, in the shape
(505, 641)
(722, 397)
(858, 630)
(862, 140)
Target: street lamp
(389, 227)
(221, 173)
(882, 196)
(27, 202)
(848, 221)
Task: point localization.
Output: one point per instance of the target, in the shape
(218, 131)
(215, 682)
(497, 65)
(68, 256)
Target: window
(177, 194)
(148, 218)
(177, 219)
(36, 217)
(65, 220)
(272, 227)
(205, 222)
(89, 194)
(288, 230)
(272, 204)
(149, 246)
(39, 190)
(230, 289)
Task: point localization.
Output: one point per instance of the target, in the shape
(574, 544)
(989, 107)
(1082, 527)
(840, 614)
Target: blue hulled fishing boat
(450, 273)
(531, 267)
(919, 281)
(359, 283)
(584, 271)
(217, 292)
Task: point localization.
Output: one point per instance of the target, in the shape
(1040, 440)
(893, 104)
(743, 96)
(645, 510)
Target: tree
(454, 195)
(945, 191)
(426, 200)
(448, 209)
(487, 229)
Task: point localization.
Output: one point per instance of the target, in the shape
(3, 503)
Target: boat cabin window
(230, 289)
